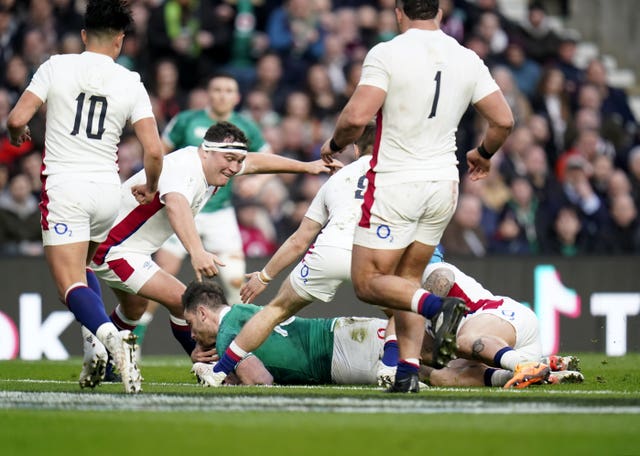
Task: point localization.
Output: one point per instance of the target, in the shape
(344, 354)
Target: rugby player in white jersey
(498, 339)
(419, 84)
(89, 100)
(189, 177)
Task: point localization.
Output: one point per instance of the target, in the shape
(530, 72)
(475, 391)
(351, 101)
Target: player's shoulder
(243, 122)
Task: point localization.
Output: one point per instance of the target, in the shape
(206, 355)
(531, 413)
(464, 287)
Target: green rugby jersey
(298, 351)
(188, 129)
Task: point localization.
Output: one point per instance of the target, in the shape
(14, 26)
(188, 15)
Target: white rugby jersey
(89, 100)
(337, 204)
(468, 289)
(144, 228)
(430, 80)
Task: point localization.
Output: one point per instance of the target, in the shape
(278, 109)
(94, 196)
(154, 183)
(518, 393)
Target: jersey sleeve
(375, 70)
(41, 81)
(485, 84)
(318, 211)
(142, 106)
(175, 182)
(173, 133)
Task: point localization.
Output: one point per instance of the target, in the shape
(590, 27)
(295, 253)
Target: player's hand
(252, 288)
(478, 167)
(206, 376)
(204, 355)
(205, 264)
(142, 194)
(23, 137)
(320, 166)
(326, 153)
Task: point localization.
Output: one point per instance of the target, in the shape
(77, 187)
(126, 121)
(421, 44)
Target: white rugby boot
(94, 363)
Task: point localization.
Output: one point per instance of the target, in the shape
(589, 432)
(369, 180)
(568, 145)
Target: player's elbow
(503, 122)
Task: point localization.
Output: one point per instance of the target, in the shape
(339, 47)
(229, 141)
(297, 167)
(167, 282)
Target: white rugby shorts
(402, 213)
(78, 211)
(218, 230)
(320, 272)
(129, 273)
(523, 320)
(358, 344)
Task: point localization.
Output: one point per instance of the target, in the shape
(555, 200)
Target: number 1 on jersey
(434, 106)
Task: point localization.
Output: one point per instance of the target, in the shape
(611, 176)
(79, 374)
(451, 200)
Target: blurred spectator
(256, 230)
(452, 22)
(541, 132)
(511, 163)
(566, 236)
(368, 26)
(543, 181)
(551, 101)
(517, 101)
(30, 166)
(603, 170)
(71, 44)
(526, 72)
(490, 30)
(387, 26)
(130, 155)
(577, 190)
(166, 89)
(67, 18)
(634, 173)
(258, 107)
(324, 101)
(464, 235)
(334, 60)
(539, 40)
(518, 224)
(345, 26)
(296, 35)
(587, 145)
(19, 219)
(269, 79)
(565, 62)
(16, 77)
(623, 235)
(195, 33)
(41, 37)
(616, 113)
(10, 36)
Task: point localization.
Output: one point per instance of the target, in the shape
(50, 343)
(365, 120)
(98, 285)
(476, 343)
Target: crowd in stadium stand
(567, 182)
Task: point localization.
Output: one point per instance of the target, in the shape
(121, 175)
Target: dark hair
(225, 132)
(420, 10)
(366, 140)
(108, 16)
(205, 293)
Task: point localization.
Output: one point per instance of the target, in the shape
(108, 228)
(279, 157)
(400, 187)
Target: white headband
(234, 147)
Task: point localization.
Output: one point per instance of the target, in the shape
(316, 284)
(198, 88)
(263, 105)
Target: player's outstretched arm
(251, 371)
(263, 163)
(288, 252)
(205, 264)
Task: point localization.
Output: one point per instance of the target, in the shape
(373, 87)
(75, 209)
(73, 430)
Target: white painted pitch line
(173, 403)
(439, 389)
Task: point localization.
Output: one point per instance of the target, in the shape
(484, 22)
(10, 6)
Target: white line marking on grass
(182, 403)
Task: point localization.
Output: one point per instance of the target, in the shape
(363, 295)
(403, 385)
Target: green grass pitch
(44, 412)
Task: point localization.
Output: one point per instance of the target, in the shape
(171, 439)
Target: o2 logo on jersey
(62, 229)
